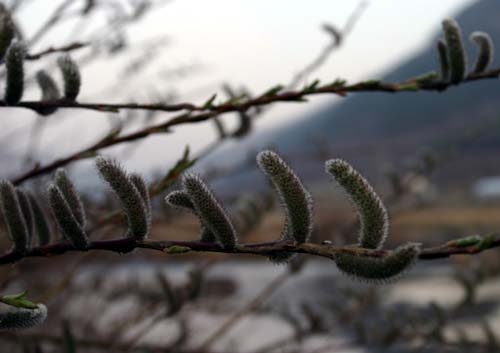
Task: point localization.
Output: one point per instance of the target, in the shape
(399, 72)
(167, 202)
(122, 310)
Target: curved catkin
(211, 213)
(42, 228)
(20, 318)
(180, 199)
(50, 92)
(66, 220)
(14, 63)
(66, 186)
(48, 86)
(142, 187)
(14, 219)
(295, 199)
(130, 198)
(71, 76)
(379, 270)
(27, 211)
(486, 49)
(456, 52)
(442, 50)
(371, 210)
(7, 30)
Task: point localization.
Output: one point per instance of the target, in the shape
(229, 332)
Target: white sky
(259, 43)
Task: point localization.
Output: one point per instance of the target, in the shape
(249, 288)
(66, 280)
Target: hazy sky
(258, 43)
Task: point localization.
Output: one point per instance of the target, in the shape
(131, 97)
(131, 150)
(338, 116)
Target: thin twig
(338, 87)
(126, 245)
(54, 50)
(264, 294)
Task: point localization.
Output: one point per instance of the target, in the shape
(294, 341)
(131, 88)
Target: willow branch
(464, 246)
(338, 88)
(209, 113)
(55, 50)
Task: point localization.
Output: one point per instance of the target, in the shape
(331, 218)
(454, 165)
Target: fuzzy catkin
(71, 77)
(372, 213)
(69, 226)
(211, 213)
(66, 186)
(485, 54)
(130, 198)
(456, 52)
(14, 219)
(14, 63)
(141, 186)
(180, 199)
(27, 211)
(50, 92)
(379, 270)
(295, 199)
(12, 318)
(444, 63)
(42, 228)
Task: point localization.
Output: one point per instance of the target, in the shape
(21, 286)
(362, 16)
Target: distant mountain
(371, 129)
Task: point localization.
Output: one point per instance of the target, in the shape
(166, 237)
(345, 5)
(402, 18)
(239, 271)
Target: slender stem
(265, 99)
(126, 245)
(264, 294)
(54, 50)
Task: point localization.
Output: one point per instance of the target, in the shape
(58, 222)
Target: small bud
(485, 54)
(66, 220)
(211, 213)
(14, 219)
(379, 270)
(66, 186)
(14, 62)
(27, 211)
(130, 198)
(443, 59)
(71, 77)
(20, 318)
(371, 210)
(50, 92)
(180, 199)
(42, 228)
(456, 53)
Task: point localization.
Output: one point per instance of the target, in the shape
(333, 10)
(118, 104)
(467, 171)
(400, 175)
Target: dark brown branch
(54, 50)
(207, 114)
(338, 88)
(126, 245)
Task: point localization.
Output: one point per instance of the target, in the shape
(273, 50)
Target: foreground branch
(462, 246)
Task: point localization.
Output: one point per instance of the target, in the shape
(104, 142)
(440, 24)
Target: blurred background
(432, 156)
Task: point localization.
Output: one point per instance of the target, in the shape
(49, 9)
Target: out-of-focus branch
(53, 50)
(53, 20)
(335, 43)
